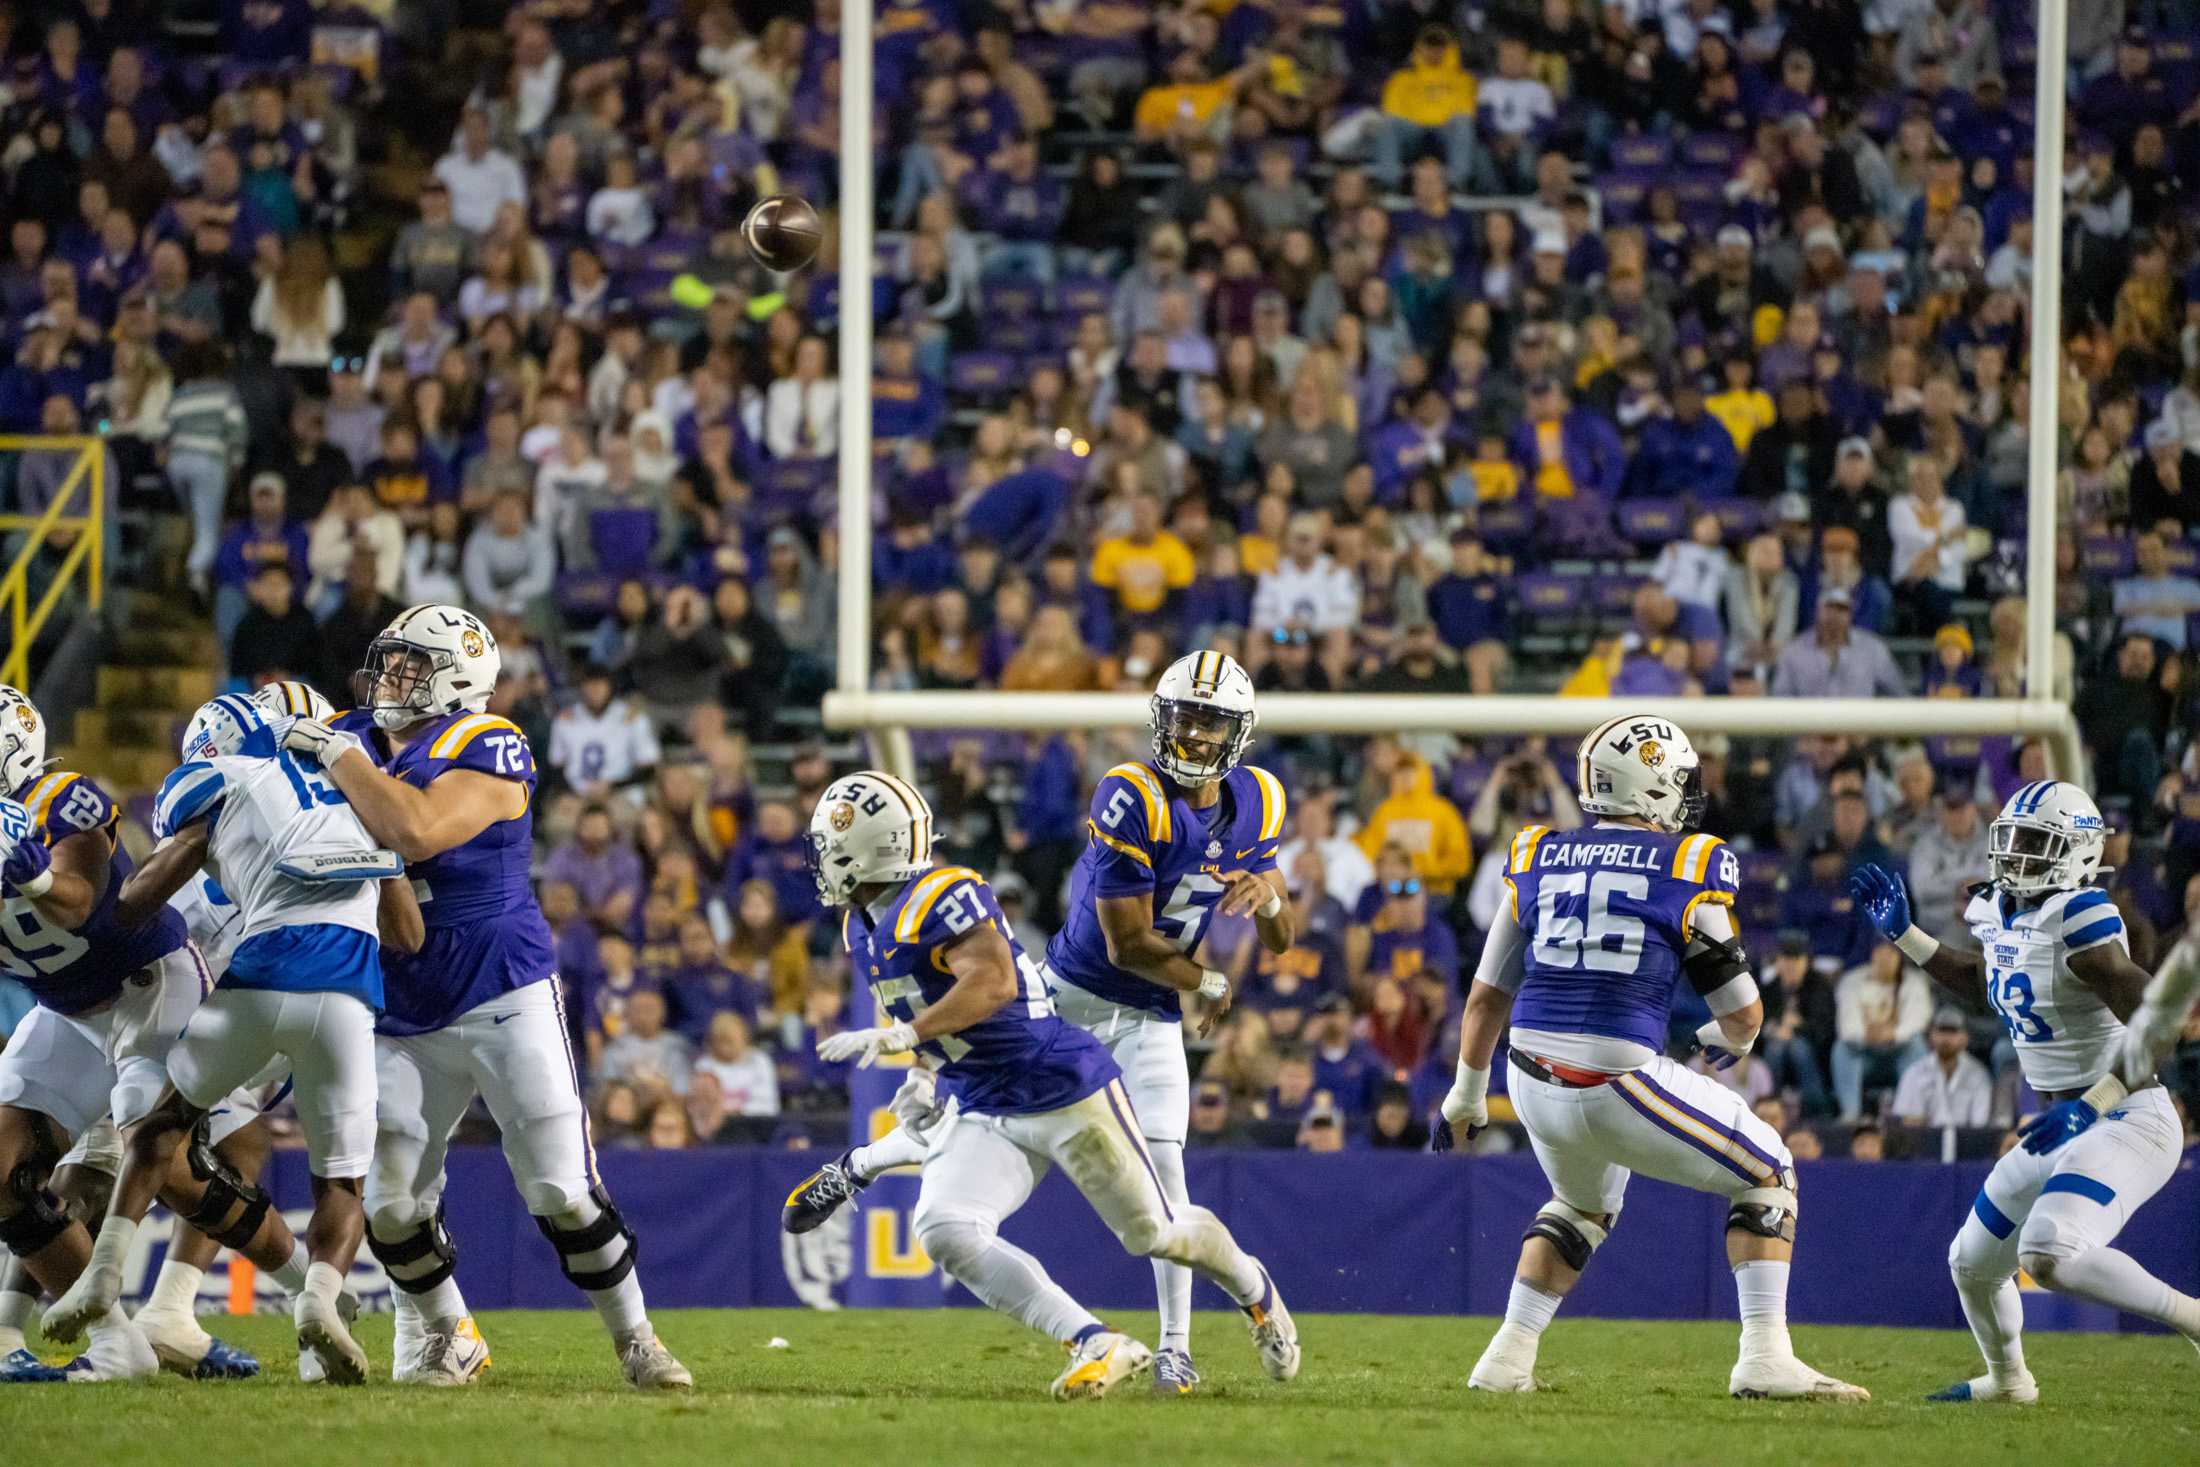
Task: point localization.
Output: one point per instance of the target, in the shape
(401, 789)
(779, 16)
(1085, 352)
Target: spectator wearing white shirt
(1694, 573)
(1948, 1087)
(479, 176)
(619, 212)
(1880, 1013)
(802, 412)
(1346, 870)
(509, 564)
(1307, 588)
(2156, 601)
(300, 308)
(538, 73)
(352, 522)
(601, 741)
(653, 1059)
(1514, 107)
(1931, 549)
(743, 1072)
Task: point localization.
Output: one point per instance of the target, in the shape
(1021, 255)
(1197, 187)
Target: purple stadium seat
(1012, 300)
(623, 539)
(583, 595)
(1652, 521)
(794, 477)
(989, 375)
(1739, 518)
(1645, 151)
(1762, 868)
(1016, 333)
(1581, 525)
(1505, 525)
(1612, 596)
(2183, 556)
(1548, 596)
(1717, 151)
(2106, 555)
(1081, 295)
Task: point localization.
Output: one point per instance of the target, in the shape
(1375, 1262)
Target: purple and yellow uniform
(1608, 912)
(1146, 838)
(1019, 1060)
(486, 934)
(70, 971)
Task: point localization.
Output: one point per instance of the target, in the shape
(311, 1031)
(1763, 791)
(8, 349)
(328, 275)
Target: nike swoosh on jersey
(1241, 855)
(500, 1018)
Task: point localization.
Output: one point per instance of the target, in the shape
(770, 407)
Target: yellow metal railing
(87, 553)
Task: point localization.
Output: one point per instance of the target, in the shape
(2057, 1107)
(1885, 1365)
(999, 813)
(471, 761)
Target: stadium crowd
(1651, 347)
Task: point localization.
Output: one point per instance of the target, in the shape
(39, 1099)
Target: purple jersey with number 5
(1146, 839)
(486, 933)
(70, 971)
(1607, 913)
(1019, 1060)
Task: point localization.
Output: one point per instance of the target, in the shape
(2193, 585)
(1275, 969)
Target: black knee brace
(232, 1208)
(1767, 1212)
(608, 1228)
(419, 1261)
(1574, 1235)
(37, 1221)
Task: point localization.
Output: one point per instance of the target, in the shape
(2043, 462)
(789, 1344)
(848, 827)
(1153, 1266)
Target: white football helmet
(1203, 718)
(230, 724)
(431, 661)
(294, 700)
(1640, 765)
(22, 740)
(868, 827)
(2049, 837)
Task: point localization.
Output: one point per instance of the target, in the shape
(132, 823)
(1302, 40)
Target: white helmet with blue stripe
(293, 699)
(230, 724)
(2049, 837)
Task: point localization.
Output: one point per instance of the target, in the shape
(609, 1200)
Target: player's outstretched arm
(985, 981)
(2153, 1029)
(417, 824)
(165, 872)
(1880, 892)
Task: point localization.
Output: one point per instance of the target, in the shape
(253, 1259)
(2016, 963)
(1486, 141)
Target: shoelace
(436, 1351)
(834, 1185)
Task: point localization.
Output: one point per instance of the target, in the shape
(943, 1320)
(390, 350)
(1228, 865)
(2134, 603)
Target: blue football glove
(2055, 1125)
(1879, 891)
(23, 856)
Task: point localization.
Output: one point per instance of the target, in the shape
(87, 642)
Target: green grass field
(897, 1389)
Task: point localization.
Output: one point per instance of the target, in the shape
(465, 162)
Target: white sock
(1172, 1281)
(441, 1306)
(2112, 1277)
(17, 1310)
(291, 1277)
(323, 1282)
(896, 1148)
(111, 1249)
(1530, 1310)
(1198, 1240)
(621, 1308)
(1995, 1311)
(1761, 1286)
(1008, 1279)
(176, 1291)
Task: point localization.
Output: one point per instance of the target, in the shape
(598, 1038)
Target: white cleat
(1785, 1378)
(311, 1368)
(86, 1303)
(448, 1357)
(2020, 1390)
(118, 1352)
(322, 1334)
(1274, 1335)
(1100, 1364)
(1506, 1365)
(649, 1366)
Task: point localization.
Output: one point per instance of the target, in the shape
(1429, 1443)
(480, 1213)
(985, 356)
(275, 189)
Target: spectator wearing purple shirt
(705, 985)
(775, 851)
(1021, 207)
(267, 536)
(605, 870)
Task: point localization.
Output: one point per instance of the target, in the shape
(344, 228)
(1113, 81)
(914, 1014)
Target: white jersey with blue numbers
(2066, 1036)
(215, 922)
(285, 846)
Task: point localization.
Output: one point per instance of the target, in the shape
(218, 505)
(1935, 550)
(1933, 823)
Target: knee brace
(593, 1255)
(1768, 1212)
(231, 1209)
(418, 1260)
(37, 1221)
(42, 1152)
(1575, 1234)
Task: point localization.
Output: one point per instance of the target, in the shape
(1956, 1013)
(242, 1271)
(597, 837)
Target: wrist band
(2105, 1094)
(1473, 1083)
(1213, 984)
(1918, 945)
(38, 885)
(1273, 905)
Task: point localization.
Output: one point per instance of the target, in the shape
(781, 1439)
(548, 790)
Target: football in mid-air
(783, 232)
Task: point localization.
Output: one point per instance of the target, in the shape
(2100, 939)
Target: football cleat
(2021, 1391)
(649, 1366)
(321, 1334)
(821, 1194)
(1785, 1378)
(1173, 1374)
(1274, 1335)
(21, 1367)
(1098, 1364)
(116, 1353)
(189, 1351)
(85, 1304)
(311, 1367)
(448, 1357)
(1505, 1365)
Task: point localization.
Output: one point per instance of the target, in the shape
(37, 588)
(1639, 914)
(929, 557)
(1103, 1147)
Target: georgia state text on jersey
(2065, 1036)
(1607, 914)
(286, 845)
(485, 933)
(1019, 1060)
(70, 971)
(1145, 837)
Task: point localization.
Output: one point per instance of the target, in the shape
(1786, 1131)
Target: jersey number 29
(1590, 934)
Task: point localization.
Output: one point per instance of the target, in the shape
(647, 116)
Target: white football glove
(311, 736)
(916, 1104)
(864, 1046)
(1721, 1050)
(1466, 1108)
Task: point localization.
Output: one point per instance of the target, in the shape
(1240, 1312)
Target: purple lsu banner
(1359, 1232)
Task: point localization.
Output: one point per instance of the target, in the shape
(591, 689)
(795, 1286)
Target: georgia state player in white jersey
(1582, 961)
(1020, 1091)
(303, 982)
(2054, 963)
(450, 787)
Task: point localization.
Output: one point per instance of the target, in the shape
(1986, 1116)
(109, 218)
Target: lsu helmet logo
(26, 717)
(1651, 753)
(471, 641)
(840, 817)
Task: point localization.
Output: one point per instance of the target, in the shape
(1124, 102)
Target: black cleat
(821, 1194)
